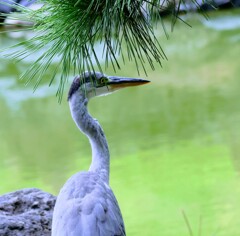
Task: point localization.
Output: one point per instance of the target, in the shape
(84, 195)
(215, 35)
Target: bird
(86, 205)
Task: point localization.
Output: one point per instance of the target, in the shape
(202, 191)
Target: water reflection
(15, 96)
(223, 22)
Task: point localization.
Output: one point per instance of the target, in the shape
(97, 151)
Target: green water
(175, 143)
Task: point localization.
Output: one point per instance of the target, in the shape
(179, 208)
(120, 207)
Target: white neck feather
(92, 129)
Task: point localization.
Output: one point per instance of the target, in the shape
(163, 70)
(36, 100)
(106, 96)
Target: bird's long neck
(92, 129)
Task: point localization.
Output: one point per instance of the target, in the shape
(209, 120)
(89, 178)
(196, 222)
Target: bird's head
(92, 84)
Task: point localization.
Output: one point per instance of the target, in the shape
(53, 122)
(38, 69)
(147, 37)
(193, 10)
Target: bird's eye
(103, 80)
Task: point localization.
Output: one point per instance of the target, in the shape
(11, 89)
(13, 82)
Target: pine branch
(69, 29)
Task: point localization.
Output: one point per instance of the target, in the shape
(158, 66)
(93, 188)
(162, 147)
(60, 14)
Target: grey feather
(87, 206)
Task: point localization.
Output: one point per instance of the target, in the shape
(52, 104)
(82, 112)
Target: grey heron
(86, 205)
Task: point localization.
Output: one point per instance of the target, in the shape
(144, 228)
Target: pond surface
(175, 143)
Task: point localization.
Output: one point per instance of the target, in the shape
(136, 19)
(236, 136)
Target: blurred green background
(174, 143)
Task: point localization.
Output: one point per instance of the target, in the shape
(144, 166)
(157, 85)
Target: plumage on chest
(87, 204)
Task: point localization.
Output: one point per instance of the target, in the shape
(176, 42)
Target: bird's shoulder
(81, 184)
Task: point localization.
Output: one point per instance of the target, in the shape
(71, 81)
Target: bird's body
(89, 208)
(86, 205)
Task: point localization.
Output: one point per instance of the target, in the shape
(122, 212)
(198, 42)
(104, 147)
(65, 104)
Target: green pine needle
(69, 29)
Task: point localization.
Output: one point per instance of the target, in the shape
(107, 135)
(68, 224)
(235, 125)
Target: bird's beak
(121, 82)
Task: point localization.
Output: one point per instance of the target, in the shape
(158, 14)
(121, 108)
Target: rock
(236, 3)
(26, 212)
(197, 5)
